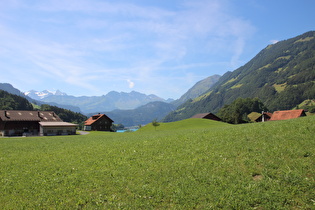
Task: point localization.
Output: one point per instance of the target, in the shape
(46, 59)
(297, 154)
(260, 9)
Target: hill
(187, 124)
(198, 89)
(10, 101)
(282, 75)
(251, 166)
(10, 89)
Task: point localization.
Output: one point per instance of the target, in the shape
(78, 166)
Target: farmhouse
(208, 116)
(98, 122)
(287, 114)
(33, 123)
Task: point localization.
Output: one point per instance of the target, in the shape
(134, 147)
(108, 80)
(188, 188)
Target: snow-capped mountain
(38, 95)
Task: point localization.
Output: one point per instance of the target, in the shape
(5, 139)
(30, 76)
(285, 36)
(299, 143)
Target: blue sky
(91, 47)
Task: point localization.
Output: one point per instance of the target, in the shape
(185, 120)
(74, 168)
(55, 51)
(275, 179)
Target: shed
(287, 114)
(57, 128)
(98, 122)
(209, 116)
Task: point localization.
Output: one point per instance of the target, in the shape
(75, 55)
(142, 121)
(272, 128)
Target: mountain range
(39, 95)
(89, 104)
(117, 100)
(282, 75)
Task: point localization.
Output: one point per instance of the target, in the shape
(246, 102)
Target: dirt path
(83, 132)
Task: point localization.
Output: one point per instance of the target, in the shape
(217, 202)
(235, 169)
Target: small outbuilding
(98, 122)
(208, 116)
(57, 128)
(287, 114)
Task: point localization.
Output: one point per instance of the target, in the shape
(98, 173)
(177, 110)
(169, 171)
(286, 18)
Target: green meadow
(190, 164)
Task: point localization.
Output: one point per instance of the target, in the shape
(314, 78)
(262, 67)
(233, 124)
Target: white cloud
(130, 83)
(274, 41)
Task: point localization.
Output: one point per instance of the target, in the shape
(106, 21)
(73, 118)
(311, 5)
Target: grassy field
(191, 164)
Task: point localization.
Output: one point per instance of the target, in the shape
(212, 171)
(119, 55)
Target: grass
(194, 163)
(202, 96)
(304, 40)
(280, 87)
(236, 86)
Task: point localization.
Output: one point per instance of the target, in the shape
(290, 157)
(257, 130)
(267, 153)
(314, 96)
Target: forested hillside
(10, 101)
(282, 75)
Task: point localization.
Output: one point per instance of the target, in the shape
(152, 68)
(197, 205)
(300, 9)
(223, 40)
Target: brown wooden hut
(208, 116)
(98, 122)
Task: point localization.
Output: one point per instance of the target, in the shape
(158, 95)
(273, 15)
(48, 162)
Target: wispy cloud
(274, 41)
(84, 43)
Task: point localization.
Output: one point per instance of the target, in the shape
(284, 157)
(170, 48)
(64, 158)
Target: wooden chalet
(208, 116)
(98, 122)
(287, 114)
(33, 123)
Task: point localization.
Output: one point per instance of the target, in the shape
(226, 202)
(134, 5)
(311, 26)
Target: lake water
(122, 131)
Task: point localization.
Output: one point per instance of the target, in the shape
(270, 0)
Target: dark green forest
(13, 102)
(282, 76)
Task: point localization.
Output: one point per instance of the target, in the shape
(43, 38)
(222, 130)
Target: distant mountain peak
(38, 95)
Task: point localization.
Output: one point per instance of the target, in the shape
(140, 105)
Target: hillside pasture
(194, 163)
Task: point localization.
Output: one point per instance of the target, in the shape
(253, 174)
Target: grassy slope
(269, 165)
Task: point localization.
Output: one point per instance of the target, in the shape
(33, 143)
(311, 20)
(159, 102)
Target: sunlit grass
(189, 164)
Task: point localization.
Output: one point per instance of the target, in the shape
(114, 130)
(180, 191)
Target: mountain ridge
(39, 95)
(282, 75)
(198, 89)
(111, 101)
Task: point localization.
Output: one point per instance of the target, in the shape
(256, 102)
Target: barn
(208, 116)
(98, 122)
(33, 123)
(287, 114)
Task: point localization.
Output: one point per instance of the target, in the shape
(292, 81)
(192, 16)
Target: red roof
(95, 118)
(287, 114)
